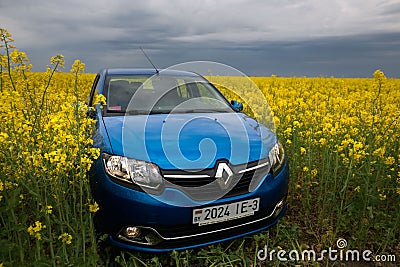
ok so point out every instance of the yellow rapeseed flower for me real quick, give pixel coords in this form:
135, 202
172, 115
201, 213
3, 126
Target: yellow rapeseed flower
99, 99
389, 160
57, 60
49, 209
34, 230
296, 124
94, 207
288, 131
3, 137
65, 238
379, 152
8, 185
322, 141
314, 173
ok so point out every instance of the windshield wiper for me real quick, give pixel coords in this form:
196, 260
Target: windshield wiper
159, 112
137, 112
200, 110
128, 112
176, 111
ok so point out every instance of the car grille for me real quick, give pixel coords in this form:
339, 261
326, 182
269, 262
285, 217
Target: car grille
205, 188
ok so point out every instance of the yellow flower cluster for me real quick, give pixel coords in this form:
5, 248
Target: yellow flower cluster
49, 209
45, 129
34, 230
93, 208
65, 238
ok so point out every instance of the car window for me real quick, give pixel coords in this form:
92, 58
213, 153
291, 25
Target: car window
163, 94
120, 90
182, 89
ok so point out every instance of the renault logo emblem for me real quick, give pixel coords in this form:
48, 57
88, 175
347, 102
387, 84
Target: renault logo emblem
224, 175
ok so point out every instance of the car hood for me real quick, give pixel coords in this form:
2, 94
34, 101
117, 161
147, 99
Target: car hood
189, 141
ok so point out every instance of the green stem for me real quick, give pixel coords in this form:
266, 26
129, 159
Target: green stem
8, 61
21, 251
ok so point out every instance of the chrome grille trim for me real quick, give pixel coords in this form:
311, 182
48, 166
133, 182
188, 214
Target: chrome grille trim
255, 167
186, 176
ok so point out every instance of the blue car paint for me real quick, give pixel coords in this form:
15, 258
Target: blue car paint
144, 137
140, 137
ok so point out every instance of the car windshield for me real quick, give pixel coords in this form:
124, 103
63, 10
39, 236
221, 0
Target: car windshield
138, 94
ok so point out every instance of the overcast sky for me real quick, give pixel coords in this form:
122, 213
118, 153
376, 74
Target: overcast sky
341, 38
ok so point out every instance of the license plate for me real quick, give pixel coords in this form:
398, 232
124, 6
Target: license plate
226, 212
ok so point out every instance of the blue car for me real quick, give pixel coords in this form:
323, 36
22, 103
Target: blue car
180, 165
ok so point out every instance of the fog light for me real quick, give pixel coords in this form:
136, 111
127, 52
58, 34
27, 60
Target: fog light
132, 232
140, 235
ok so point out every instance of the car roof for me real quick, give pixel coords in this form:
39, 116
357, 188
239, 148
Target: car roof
142, 71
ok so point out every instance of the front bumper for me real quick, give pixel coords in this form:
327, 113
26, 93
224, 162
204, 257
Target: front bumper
170, 226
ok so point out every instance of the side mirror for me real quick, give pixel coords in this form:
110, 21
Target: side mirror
237, 105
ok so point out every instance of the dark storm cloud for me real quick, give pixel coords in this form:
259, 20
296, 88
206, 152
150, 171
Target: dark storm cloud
356, 56
313, 37
353, 56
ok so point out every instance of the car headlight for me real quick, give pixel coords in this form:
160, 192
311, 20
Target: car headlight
276, 158
139, 172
